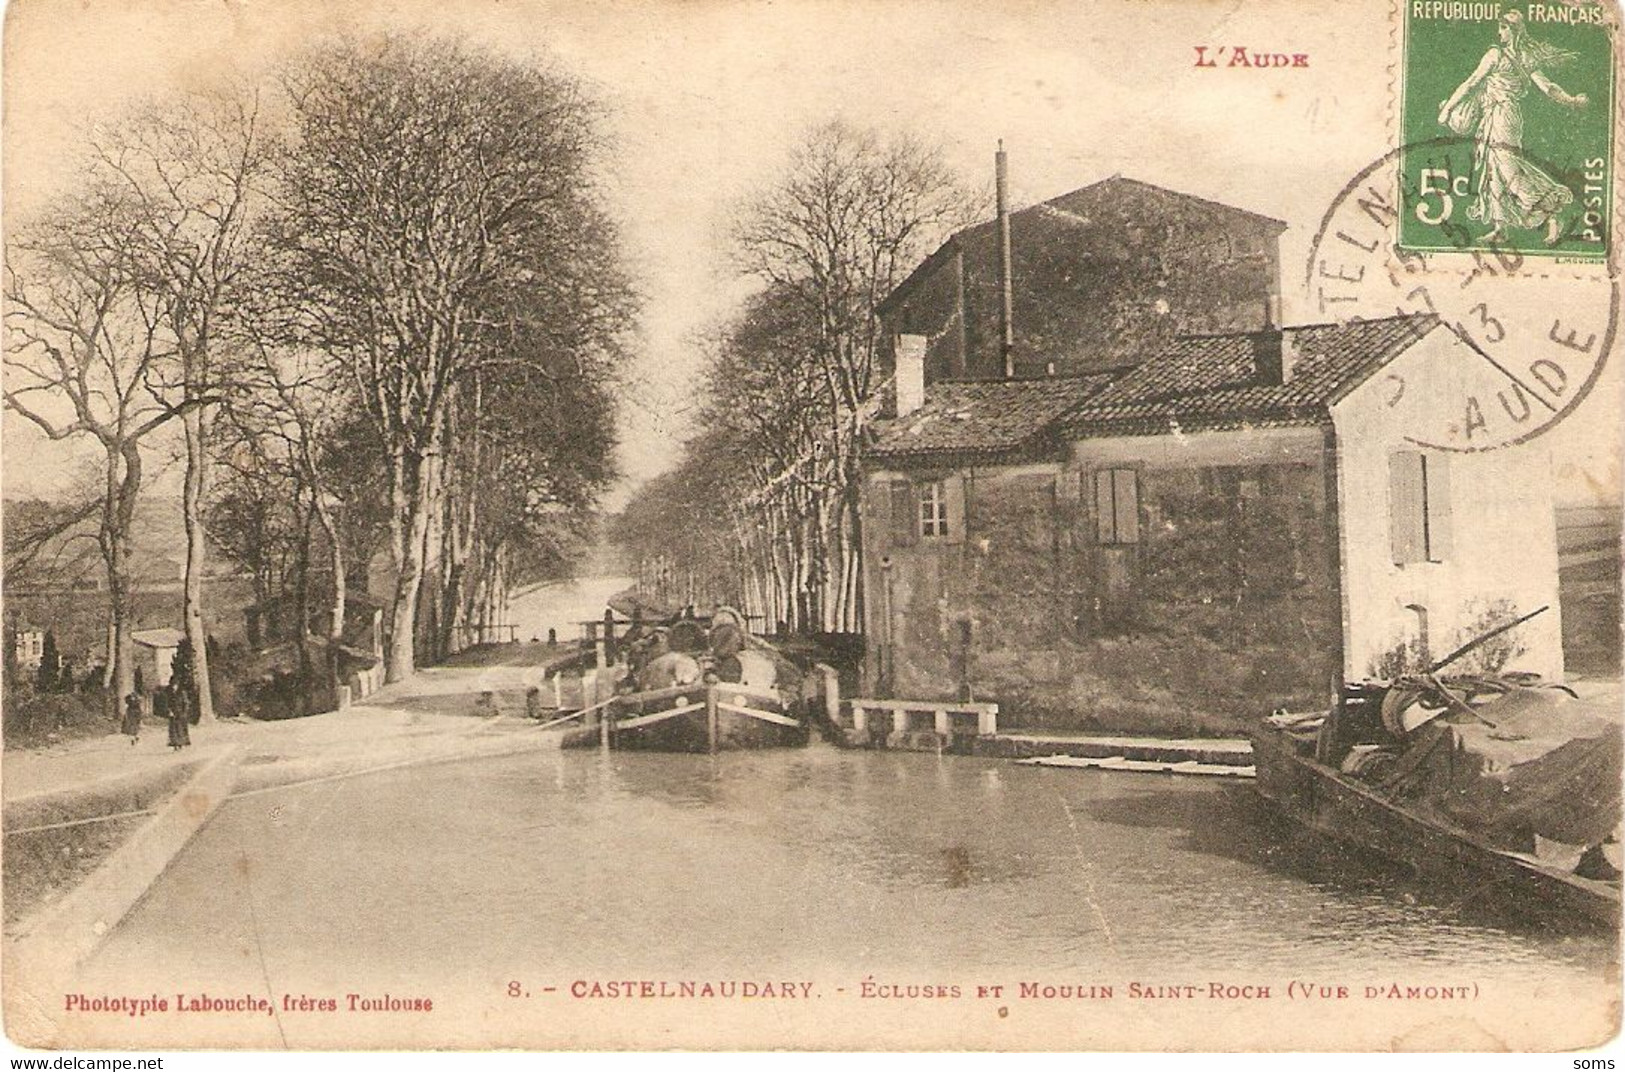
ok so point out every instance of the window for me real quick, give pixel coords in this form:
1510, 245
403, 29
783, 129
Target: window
930, 508
933, 509
1419, 528
1117, 506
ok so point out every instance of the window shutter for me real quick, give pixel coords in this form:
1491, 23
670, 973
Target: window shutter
1436, 484
1405, 506
1126, 502
953, 492
1105, 530
905, 518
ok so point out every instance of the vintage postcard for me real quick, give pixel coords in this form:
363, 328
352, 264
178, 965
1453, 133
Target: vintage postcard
816, 525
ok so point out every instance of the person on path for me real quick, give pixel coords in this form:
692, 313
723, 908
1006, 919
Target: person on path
180, 703
131, 726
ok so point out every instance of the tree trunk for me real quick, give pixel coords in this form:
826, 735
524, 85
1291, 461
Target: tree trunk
401, 661
118, 578
192, 507
335, 619
854, 515
118, 512
301, 634
409, 526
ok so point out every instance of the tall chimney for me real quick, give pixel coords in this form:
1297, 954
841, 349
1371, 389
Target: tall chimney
1274, 353
1007, 331
910, 350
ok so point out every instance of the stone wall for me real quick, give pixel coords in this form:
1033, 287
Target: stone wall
1225, 608
1500, 559
1096, 285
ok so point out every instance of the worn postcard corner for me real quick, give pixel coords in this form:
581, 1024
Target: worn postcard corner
547, 526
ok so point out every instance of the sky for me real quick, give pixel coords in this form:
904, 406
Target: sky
706, 98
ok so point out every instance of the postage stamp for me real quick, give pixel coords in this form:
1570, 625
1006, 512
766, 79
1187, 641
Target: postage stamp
1535, 344
1507, 110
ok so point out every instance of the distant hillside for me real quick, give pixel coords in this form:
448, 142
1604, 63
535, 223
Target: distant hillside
1589, 562
72, 560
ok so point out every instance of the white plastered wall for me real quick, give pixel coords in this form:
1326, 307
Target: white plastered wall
1503, 541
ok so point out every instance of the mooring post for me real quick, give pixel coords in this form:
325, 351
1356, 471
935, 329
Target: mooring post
832, 693
711, 716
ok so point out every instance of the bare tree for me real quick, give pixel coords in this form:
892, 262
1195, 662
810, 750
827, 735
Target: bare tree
771, 405
832, 237
283, 415
430, 192
187, 172
84, 347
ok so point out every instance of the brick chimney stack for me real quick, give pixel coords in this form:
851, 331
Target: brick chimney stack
910, 351
1274, 353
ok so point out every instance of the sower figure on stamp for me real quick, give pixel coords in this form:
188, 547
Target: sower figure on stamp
1512, 191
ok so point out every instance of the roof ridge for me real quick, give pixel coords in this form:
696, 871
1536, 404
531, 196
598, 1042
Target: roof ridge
1306, 327
1120, 177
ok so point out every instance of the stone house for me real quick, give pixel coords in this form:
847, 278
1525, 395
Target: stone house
1095, 278
155, 655
1205, 527
28, 647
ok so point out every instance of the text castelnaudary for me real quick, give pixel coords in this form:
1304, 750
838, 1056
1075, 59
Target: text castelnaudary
666, 988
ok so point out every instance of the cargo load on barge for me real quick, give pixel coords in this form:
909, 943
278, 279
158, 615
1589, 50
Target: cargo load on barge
1505, 785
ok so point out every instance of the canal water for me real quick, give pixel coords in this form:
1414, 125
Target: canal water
818, 864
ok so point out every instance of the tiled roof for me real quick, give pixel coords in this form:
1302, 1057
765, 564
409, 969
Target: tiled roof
162, 637
1211, 381
988, 417
1198, 383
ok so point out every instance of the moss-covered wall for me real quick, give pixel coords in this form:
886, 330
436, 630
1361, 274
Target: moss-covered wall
1225, 608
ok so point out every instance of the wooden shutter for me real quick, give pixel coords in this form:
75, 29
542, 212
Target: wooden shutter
1126, 504
905, 517
1436, 488
953, 493
1105, 528
1406, 536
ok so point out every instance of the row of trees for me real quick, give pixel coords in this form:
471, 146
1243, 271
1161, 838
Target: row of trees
792, 382
382, 301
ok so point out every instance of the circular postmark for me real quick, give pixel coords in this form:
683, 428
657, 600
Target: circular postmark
1524, 340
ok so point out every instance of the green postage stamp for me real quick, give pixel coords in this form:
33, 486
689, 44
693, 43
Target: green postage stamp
1506, 128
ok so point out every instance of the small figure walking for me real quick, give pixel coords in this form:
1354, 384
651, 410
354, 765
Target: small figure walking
180, 703
132, 718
